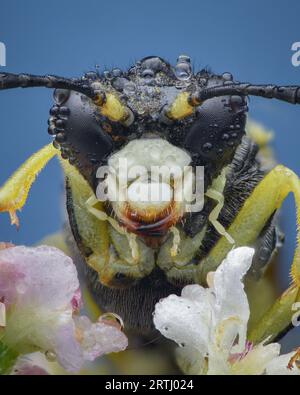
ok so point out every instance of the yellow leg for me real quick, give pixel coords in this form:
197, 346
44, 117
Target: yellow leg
278, 318
266, 198
14, 193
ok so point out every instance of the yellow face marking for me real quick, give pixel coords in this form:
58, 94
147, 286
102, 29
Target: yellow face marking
112, 108
181, 108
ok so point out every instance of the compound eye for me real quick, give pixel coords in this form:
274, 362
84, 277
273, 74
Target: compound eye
204, 142
78, 133
217, 130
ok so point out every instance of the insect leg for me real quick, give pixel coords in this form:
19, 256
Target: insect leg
14, 193
265, 199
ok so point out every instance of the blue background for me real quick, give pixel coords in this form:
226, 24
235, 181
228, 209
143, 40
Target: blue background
252, 40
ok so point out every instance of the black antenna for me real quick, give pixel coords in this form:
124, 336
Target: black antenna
290, 94
10, 81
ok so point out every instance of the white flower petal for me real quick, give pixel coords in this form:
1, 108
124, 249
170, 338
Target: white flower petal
231, 312
186, 319
212, 324
218, 363
278, 366
256, 361
190, 361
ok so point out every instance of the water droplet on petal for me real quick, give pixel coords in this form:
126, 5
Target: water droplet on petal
50, 356
112, 319
21, 288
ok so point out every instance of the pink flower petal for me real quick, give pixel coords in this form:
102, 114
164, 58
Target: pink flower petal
40, 290
99, 338
76, 301
30, 370
41, 275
